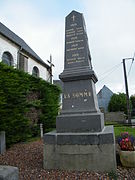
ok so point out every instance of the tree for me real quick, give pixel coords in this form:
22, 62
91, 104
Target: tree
118, 103
132, 100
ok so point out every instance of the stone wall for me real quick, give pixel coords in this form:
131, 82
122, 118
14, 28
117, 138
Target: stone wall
115, 116
33, 113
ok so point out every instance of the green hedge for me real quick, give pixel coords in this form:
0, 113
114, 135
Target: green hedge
15, 88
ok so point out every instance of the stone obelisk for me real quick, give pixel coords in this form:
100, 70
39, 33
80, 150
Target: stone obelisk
81, 141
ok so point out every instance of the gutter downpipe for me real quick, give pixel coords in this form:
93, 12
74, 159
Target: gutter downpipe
18, 56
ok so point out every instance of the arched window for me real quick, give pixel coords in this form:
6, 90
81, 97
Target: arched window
35, 71
7, 58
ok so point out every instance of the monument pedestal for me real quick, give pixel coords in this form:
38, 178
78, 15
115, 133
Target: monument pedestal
81, 142
80, 151
84, 122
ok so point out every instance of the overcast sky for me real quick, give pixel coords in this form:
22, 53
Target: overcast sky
110, 27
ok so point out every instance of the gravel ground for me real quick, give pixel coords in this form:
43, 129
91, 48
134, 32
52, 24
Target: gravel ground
28, 157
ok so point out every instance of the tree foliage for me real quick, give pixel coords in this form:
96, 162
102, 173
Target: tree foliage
15, 88
117, 103
132, 99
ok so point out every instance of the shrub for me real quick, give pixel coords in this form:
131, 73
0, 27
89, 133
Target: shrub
19, 93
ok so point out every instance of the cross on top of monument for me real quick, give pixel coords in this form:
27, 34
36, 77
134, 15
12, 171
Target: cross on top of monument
73, 17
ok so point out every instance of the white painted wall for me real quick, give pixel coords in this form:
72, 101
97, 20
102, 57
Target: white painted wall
43, 73
6, 45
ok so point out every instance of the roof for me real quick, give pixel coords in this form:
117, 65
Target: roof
58, 83
105, 90
20, 42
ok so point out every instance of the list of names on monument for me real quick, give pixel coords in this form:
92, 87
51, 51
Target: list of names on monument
74, 43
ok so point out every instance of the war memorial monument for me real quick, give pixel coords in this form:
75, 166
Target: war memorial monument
81, 141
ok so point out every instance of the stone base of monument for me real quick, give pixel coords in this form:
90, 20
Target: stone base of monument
80, 122
9, 173
80, 151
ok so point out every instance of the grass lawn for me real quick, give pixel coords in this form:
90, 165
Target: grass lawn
119, 128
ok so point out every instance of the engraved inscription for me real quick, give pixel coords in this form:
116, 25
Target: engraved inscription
73, 95
66, 96
74, 42
74, 24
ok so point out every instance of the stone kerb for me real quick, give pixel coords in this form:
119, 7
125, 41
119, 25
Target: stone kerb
9, 173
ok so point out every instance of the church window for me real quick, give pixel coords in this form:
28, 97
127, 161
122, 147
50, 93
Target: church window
35, 71
7, 58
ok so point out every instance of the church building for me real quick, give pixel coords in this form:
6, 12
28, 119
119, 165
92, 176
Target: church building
15, 52
104, 96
